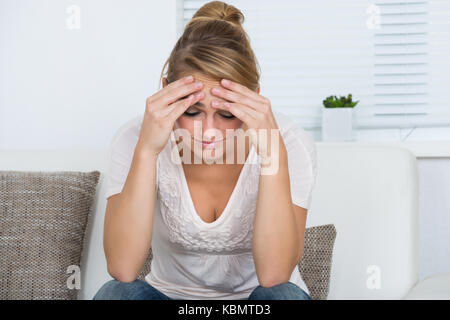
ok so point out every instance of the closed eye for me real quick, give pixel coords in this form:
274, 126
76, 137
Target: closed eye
225, 116
193, 114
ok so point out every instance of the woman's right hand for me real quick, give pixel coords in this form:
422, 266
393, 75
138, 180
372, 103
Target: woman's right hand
163, 109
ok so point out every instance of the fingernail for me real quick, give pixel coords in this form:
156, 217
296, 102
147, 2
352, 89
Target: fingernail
189, 78
226, 82
199, 95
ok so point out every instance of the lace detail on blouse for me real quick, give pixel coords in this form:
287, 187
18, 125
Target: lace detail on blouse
234, 232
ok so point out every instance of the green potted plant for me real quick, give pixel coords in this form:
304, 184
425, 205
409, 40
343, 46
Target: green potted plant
338, 118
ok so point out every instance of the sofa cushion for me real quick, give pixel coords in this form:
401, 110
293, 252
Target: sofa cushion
434, 287
43, 217
314, 266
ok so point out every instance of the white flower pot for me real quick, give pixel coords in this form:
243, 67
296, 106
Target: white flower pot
337, 124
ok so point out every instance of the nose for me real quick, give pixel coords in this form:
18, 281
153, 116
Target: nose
210, 132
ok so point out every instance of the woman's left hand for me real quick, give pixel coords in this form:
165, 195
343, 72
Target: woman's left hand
253, 109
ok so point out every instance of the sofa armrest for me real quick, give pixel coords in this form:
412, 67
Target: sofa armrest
436, 287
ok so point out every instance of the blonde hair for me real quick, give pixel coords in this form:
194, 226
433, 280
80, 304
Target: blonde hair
215, 44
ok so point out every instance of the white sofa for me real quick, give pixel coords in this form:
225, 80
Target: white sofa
369, 192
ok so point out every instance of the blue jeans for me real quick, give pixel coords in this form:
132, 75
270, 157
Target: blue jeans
141, 290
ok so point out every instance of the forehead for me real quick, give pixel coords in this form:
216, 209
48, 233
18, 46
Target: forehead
208, 84
206, 81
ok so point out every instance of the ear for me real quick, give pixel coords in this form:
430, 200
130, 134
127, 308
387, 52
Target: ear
259, 89
164, 80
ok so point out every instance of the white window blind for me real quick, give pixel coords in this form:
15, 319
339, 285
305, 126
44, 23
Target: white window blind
392, 56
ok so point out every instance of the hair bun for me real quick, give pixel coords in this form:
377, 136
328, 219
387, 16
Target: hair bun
219, 10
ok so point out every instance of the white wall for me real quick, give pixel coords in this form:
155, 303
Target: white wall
73, 88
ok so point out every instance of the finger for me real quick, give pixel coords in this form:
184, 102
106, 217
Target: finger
237, 97
239, 88
179, 93
186, 101
242, 112
254, 113
175, 110
173, 85
176, 93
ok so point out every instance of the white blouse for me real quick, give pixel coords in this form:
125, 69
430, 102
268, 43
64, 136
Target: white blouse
193, 259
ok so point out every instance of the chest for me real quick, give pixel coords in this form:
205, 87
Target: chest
209, 198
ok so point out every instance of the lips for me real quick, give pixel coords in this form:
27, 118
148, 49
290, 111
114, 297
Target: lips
208, 142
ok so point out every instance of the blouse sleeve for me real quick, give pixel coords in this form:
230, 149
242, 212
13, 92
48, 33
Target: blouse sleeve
302, 164
121, 153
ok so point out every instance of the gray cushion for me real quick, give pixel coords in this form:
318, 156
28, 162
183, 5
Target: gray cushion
43, 218
314, 266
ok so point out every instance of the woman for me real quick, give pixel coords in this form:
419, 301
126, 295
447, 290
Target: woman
218, 229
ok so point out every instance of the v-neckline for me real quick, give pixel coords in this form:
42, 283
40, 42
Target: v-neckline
225, 211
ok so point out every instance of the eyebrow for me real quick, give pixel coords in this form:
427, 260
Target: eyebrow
199, 104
